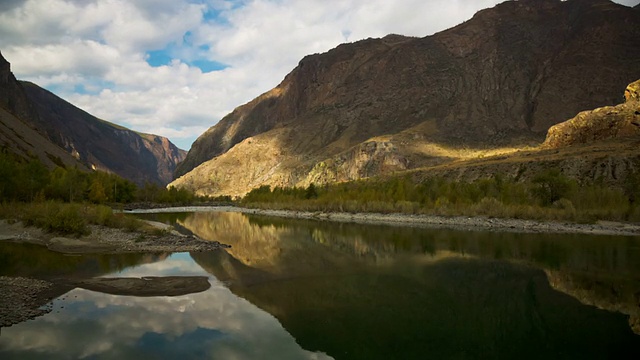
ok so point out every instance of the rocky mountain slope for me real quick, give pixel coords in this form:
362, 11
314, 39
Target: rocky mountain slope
378, 106
19, 137
103, 145
93, 142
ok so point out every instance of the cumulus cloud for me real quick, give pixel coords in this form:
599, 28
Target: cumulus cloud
97, 53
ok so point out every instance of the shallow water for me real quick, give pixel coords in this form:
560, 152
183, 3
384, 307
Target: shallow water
297, 289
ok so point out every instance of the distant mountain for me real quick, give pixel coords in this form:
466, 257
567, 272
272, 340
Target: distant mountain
384, 105
132, 155
93, 142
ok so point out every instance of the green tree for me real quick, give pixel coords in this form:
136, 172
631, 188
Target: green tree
96, 191
311, 192
551, 186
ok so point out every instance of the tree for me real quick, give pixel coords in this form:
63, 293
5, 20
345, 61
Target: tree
311, 192
96, 191
551, 186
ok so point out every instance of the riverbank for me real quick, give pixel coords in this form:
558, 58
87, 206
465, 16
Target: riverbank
431, 221
109, 240
23, 298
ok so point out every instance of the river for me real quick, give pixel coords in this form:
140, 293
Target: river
303, 289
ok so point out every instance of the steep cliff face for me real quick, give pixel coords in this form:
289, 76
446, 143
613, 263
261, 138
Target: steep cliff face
12, 96
100, 144
502, 78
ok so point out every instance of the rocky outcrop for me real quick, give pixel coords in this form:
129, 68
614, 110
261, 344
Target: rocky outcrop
12, 95
102, 145
502, 78
600, 124
365, 160
632, 92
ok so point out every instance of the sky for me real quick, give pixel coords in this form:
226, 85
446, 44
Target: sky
176, 67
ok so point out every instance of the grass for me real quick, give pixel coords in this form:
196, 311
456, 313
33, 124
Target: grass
67, 218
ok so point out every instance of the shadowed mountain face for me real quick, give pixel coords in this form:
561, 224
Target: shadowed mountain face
382, 105
37, 122
19, 137
132, 155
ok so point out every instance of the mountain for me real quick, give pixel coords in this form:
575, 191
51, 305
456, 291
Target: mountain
101, 144
379, 106
18, 136
93, 142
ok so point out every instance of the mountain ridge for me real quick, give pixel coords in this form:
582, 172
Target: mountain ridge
102, 144
500, 79
91, 142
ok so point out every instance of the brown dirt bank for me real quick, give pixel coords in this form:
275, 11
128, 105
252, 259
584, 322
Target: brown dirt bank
432, 221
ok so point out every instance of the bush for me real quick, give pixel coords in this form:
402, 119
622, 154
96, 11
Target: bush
54, 217
489, 206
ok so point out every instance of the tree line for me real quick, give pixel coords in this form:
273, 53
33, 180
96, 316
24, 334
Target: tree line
549, 195
30, 180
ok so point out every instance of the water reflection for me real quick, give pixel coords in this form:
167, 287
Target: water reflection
302, 289
38, 262
377, 291
213, 324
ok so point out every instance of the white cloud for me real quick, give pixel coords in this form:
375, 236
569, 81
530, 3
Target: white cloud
96, 44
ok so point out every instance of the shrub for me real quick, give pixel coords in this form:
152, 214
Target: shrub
489, 206
54, 217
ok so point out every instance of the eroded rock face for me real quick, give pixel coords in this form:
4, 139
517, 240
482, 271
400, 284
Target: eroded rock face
503, 77
368, 159
600, 124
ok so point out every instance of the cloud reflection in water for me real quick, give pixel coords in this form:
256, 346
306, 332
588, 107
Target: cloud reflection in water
212, 324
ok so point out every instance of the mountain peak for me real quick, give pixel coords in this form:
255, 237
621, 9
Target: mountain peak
375, 106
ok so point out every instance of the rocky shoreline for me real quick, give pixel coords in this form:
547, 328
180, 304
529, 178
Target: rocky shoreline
23, 298
478, 223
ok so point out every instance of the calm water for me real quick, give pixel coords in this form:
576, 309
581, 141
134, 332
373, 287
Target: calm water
291, 289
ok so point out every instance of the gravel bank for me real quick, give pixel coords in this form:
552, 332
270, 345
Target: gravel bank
432, 221
22, 299
108, 240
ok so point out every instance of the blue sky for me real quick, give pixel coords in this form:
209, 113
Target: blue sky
176, 67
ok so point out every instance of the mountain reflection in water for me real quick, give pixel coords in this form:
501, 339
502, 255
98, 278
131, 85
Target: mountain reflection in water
298, 289
357, 291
